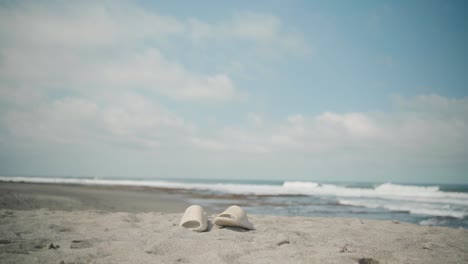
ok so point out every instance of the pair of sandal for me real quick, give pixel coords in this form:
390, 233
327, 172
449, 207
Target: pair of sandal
196, 220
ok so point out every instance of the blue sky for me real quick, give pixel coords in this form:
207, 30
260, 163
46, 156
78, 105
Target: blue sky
309, 90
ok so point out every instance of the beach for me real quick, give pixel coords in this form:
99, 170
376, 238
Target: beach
52, 223
328, 132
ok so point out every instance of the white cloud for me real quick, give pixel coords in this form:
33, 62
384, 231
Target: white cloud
66, 121
153, 72
405, 133
199, 30
89, 46
208, 144
83, 24
63, 61
124, 118
356, 124
255, 26
76, 73
47, 70
296, 119
19, 95
233, 140
93, 46
132, 114
255, 119
263, 31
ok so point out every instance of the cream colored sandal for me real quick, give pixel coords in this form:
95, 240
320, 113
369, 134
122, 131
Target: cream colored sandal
194, 219
234, 216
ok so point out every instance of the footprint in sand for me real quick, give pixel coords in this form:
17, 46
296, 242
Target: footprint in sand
60, 228
367, 261
78, 244
5, 241
34, 244
23, 246
182, 260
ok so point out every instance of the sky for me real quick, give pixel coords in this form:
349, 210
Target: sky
372, 91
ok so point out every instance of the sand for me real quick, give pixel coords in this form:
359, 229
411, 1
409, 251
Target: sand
87, 235
25, 196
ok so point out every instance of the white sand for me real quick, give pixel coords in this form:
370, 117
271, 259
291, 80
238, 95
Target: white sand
113, 237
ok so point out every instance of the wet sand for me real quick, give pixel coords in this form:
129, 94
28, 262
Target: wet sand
27, 196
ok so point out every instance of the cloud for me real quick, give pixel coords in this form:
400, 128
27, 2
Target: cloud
153, 72
93, 73
432, 104
265, 32
208, 144
74, 72
416, 130
83, 24
90, 46
86, 48
255, 26
355, 124
66, 121
147, 70
255, 119
126, 118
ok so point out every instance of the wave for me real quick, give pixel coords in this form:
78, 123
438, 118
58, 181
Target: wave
425, 200
386, 190
433, 222
412, 208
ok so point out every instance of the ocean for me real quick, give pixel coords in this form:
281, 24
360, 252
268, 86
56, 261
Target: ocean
423, 204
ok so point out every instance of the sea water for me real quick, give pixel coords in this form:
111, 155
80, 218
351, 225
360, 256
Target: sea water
424, 204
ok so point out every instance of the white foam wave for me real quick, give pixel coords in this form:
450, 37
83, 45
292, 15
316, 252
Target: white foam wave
412, 208
390, 191
432, 221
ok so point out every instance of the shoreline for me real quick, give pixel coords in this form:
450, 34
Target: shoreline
17, 195
62, 223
